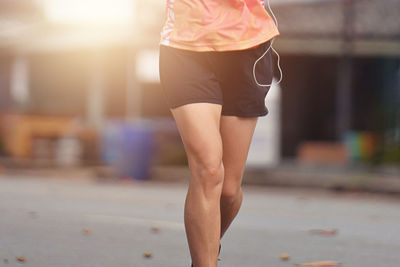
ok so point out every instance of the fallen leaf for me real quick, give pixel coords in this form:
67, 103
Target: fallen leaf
324, 231
147, 254
319, 263
87, 231
155, 229
20, 258
285, 256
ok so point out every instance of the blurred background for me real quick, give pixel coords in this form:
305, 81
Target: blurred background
78, 77
80, 95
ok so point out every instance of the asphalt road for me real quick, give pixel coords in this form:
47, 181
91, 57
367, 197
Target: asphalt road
83, 223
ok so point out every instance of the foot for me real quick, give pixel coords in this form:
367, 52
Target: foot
219, 250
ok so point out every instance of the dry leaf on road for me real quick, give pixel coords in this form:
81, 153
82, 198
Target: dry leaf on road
147, 254
323, 231
285, 256
20, 258
86, 231
155, 229
319, 263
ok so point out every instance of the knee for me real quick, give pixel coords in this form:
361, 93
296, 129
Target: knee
231, 192
211, 169
208, 173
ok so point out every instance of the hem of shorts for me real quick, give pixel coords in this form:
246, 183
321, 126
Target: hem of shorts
196, 100
222, 47
232, 113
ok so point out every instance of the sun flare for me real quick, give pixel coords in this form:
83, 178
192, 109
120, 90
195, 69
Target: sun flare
89, 11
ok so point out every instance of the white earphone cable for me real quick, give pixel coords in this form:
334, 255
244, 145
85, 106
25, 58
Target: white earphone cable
270, 46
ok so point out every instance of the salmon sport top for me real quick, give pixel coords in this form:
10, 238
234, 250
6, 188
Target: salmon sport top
216, 25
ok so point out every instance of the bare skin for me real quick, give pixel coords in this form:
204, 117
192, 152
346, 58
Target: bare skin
236, 133
217, 148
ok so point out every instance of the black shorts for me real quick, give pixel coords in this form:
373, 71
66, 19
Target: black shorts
221, 77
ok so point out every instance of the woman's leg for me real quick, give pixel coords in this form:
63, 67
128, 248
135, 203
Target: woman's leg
236, 133
198, 124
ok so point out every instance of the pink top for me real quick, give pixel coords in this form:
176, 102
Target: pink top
216, 25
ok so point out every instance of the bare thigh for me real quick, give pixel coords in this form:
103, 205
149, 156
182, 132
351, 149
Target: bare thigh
236, 134
198, 125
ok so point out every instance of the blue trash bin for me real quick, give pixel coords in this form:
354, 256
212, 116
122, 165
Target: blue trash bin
129, 147
136, 152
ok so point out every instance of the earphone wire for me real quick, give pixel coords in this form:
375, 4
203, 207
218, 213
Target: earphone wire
270, 46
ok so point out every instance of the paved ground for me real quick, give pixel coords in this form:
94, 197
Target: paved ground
43, 220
